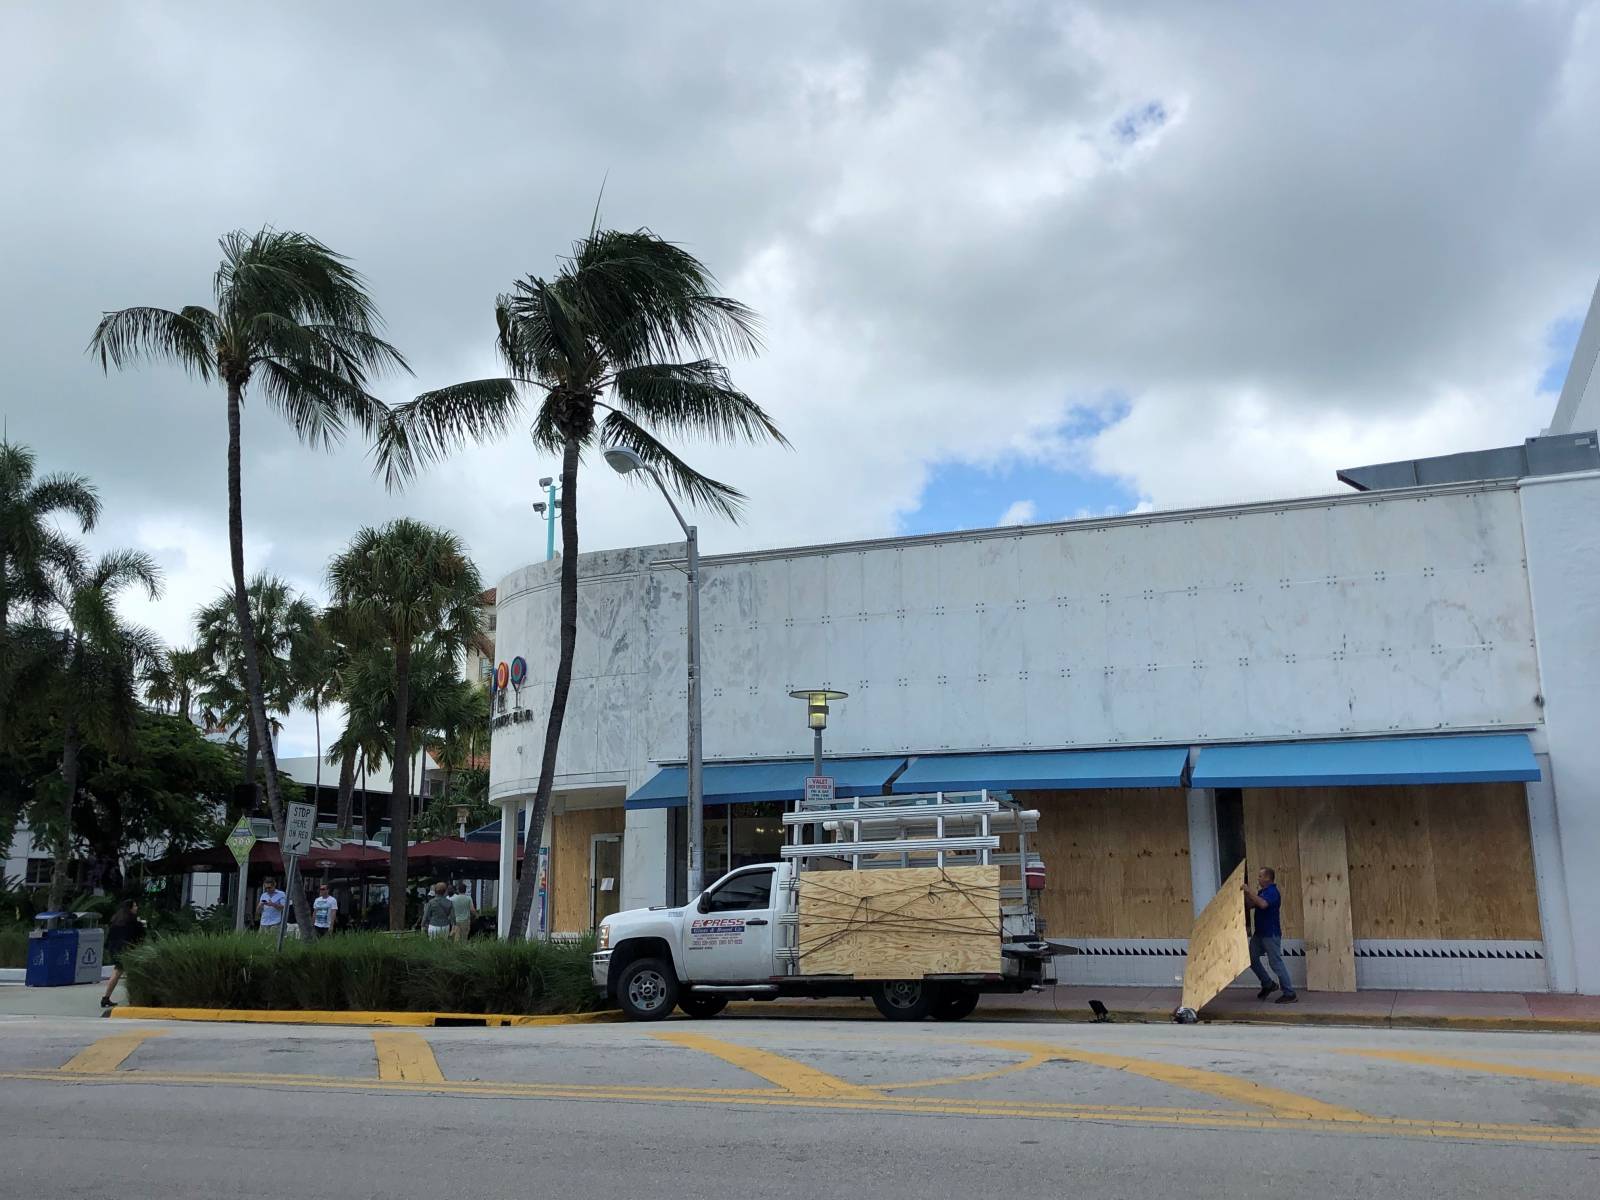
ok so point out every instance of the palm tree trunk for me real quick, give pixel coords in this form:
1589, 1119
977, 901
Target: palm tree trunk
241, 606
69, 791
558, 694
400, 799
347, 792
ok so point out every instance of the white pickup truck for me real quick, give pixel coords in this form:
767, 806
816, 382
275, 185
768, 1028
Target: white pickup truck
737, 940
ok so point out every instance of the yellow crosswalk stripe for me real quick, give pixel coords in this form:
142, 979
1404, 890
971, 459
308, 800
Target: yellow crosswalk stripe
109, 1053
794, 1077
1211, 1083
407, 1058
1451, 1063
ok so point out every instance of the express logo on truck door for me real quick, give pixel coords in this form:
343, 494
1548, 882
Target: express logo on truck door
715, 931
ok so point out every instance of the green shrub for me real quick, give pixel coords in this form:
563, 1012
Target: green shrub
375, 972
13, 946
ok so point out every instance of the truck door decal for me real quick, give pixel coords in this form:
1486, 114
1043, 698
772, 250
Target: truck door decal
716, 931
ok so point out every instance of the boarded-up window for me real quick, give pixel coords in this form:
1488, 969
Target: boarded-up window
1437, 862
570, 833
1117, 862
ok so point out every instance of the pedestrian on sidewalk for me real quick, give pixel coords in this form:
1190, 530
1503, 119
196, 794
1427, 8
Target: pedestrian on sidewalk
325, 912
272, 906
1264, 903
125, 930
465, 910
438, 915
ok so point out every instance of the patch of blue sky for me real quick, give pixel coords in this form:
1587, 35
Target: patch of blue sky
1018, 489
1561, 340
1140, 122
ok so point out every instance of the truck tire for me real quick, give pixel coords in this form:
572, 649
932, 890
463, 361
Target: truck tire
903, 999
647, 989
701, 1007
953, 1002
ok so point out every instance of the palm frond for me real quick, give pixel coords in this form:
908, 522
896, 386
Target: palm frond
696, 397
543, 334
700, 490
118, 569
436, 423
61, 492
131, 334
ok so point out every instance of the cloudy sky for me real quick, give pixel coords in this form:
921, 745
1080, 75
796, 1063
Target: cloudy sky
1017, 261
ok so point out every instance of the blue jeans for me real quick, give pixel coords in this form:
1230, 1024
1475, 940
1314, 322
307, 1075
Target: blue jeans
1272, 949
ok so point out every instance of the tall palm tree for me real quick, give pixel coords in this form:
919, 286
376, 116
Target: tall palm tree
618, 346
314, 669
280, 621
30, 545
99, 664
410, 588
293, 317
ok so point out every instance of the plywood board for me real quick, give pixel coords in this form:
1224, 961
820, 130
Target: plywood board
900, 923
1325, 899
1272, 839
1219, 946
1117, 862
569, 864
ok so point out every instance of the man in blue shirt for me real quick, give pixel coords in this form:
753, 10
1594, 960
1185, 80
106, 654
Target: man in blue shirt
1266, 939
271, 907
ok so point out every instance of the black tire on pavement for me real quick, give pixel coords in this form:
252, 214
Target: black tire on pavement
647, 989
701, 1007
954, 1002
902, 999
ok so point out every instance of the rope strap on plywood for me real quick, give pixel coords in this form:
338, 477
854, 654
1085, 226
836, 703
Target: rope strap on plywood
859, 915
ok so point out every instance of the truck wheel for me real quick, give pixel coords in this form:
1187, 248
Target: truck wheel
701, 1007
902, 999
954, 1002
647, 989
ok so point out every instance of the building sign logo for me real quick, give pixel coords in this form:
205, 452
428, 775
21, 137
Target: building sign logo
509, 677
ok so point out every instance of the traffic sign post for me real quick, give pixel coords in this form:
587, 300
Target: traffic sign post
298, 825
240, 842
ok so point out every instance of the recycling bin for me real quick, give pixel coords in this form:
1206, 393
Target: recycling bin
91, 953
52, 951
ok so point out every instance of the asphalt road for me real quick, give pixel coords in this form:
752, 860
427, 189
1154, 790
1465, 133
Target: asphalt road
754, 1108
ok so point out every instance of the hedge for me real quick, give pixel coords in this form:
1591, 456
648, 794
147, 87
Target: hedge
361, 972
13, 946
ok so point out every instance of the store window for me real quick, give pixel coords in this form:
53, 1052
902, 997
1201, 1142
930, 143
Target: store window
736, 835
39, 872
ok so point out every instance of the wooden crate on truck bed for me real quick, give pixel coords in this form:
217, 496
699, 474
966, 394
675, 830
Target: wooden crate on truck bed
900, 923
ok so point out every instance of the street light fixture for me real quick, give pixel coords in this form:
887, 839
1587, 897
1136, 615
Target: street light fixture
817, 718
624, 462
547, 510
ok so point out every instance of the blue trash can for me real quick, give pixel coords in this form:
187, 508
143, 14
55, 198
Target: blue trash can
52, 951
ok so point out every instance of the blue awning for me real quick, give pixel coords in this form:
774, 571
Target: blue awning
491, 831
1046, 770
747, 783
1470, 758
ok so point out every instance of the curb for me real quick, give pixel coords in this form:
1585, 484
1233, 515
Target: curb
298, 1017
838, 1012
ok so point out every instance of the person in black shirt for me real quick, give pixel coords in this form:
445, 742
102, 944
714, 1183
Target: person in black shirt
125, 930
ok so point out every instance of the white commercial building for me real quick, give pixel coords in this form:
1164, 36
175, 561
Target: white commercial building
1173, 691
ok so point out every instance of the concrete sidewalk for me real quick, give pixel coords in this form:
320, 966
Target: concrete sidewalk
1488, 1010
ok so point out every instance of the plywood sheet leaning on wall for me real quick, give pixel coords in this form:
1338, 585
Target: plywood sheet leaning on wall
900, 923
1325, 900
1219, 946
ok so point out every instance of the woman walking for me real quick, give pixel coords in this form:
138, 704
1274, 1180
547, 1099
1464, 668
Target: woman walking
125, 930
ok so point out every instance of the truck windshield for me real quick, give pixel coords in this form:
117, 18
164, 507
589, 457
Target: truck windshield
753, 890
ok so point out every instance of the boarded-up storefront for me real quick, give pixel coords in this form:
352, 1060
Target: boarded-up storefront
572, 889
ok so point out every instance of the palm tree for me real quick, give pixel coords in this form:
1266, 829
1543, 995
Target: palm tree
410, 588
294, 317
314, 669
280, 620
628, 317
99, 662
30, 546
176, 681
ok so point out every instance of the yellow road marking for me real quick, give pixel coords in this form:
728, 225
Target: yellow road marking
109, 1053
794, 1077
935, 1106
1212, 1083
406, 1057
1027, 1064
1473, 1064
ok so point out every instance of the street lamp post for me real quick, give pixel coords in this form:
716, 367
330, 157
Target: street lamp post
624, 461
547, 509
817, 718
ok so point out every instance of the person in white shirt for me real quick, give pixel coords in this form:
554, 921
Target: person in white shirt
325, 910
272, 906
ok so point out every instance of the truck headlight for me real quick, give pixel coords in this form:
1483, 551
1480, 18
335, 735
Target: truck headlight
605, 936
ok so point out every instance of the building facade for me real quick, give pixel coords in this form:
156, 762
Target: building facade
1173, 691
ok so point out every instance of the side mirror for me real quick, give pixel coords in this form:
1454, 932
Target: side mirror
700, 905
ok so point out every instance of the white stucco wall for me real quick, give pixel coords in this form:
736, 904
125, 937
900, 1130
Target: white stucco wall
1357, 614
1561, 516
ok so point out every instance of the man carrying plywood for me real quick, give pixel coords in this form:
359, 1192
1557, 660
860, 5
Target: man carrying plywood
1266, 937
